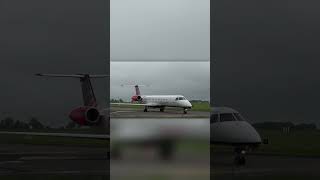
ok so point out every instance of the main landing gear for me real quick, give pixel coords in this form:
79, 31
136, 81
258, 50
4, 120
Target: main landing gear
145, 109
240, 158
162, 109
185, 111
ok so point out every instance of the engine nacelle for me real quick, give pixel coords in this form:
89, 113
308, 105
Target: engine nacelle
85, 115
136, 98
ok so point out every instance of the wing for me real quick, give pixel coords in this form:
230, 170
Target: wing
91, 136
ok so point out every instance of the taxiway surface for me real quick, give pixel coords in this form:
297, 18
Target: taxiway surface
121, 112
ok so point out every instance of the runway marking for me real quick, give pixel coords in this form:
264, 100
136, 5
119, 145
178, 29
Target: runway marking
6, 162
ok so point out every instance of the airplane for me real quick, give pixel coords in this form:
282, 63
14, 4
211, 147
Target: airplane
158, 101
229, 127
89, 114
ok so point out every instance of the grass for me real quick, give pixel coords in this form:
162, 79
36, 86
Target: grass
92, 130
194, 146
265, 177
296, 143
200, 106
46, 140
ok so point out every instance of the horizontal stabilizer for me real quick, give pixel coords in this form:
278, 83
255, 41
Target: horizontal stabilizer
74, 75
88, 96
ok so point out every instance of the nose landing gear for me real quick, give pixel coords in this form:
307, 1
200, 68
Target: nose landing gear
185, 111
240, 158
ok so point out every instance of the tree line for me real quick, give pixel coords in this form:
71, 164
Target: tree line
32, 123
10, 123
280, 125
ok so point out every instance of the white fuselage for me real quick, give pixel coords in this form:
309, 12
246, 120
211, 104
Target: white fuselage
227, 126
166, 100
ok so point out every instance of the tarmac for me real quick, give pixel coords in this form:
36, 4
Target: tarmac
52, 160
265, 166
125, 112
46, 160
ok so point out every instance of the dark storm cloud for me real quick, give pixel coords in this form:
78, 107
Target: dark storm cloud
266, 53
55, 37
267, 59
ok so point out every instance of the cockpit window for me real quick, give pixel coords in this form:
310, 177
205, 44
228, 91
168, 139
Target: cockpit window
239, 117
227, 117
180, 98
177, 99
214, 118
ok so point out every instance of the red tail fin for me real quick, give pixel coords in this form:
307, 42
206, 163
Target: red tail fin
137, 90
89, 99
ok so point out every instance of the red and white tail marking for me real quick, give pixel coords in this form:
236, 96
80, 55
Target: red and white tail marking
137, 90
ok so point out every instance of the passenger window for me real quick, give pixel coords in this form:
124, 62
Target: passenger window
227, 117
176, 99
214, 118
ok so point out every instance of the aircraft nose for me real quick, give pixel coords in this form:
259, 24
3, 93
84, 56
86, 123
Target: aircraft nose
189, 104
234, 132
252, 134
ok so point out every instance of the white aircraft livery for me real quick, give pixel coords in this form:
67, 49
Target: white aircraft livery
227, 126
158, 101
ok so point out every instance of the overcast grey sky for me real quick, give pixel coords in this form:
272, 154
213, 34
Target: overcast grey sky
191, 79
166, 30
267, 55
160, 30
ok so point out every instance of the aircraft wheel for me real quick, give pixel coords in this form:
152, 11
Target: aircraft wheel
185, 111
145, 110
161, 109
240, 160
